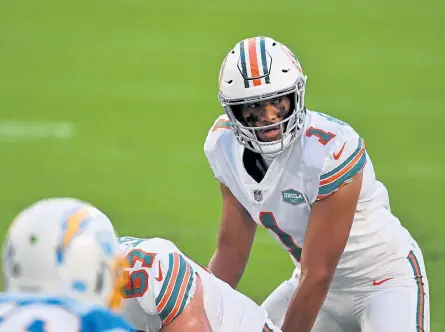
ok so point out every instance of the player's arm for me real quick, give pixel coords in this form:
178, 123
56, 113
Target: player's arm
193, 317
326, 236
235, 238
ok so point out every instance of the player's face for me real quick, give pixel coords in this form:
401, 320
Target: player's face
265, 113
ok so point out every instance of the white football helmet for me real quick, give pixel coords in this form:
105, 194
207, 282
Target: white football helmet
63, 246
256, 69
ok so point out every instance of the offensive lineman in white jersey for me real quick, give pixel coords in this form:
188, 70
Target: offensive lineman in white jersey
168, 291
62, 270
306, 178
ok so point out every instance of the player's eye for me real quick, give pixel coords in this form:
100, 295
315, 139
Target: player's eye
253, 105
276, 101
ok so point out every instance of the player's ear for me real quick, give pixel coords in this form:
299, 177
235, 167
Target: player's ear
193, 318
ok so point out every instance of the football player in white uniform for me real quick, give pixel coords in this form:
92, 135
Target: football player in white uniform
306, 177
62, 270
168, 291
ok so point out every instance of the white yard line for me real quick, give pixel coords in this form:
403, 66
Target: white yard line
16, 130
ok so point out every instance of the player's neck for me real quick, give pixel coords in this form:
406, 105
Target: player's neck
255, 165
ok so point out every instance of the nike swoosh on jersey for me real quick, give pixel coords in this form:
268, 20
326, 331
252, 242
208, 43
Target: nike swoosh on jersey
160, 276
339, 153
378, 283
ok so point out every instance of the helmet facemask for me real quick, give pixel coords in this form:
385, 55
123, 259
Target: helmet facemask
290, 127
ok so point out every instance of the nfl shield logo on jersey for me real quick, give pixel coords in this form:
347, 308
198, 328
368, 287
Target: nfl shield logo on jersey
258, 195
293, 197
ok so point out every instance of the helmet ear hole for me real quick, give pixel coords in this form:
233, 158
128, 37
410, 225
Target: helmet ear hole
100, 276
16, 270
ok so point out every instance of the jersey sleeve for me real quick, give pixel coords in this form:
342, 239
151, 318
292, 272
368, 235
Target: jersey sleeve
346, 159
219, 129
172, 282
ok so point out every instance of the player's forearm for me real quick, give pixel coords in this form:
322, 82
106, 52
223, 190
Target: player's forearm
306, 303
191, 325
227, 266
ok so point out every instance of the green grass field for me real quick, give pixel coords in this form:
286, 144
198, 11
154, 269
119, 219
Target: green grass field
110, 101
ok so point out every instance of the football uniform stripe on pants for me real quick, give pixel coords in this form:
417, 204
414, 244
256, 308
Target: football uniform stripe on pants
420, 291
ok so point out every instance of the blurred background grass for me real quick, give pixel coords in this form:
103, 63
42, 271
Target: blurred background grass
110, 101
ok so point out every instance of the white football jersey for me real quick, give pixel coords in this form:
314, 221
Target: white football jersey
328, 154
162, 281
